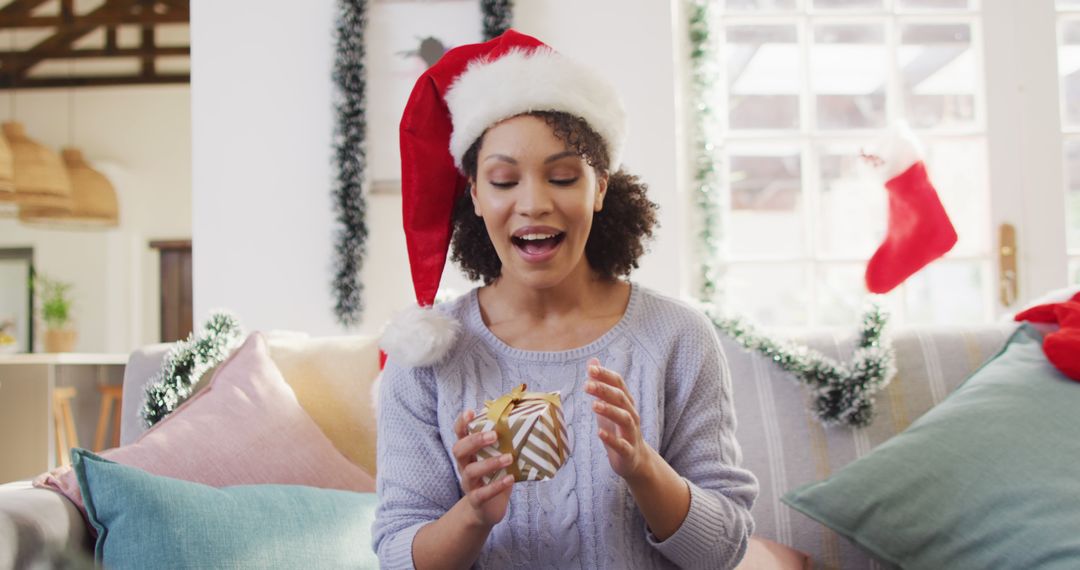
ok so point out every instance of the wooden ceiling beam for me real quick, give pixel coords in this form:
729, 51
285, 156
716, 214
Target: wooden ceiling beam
94, 81
16, 68
20, 7
146, 18
106, 52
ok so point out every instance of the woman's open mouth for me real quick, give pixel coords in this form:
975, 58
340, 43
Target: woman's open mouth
535, 247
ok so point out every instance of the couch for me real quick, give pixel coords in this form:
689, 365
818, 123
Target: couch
781, 441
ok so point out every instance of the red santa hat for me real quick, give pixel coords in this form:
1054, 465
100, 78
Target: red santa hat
471, 88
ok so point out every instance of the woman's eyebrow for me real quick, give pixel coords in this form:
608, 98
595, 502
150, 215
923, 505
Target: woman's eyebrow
560, 155
501, 157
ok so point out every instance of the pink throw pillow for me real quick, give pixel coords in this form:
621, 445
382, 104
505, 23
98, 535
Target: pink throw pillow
245, 427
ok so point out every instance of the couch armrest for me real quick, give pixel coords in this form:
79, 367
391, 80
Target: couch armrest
35, 520
142, 365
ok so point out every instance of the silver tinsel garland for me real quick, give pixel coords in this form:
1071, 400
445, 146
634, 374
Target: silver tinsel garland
186, 362
704, 70
498, 17
842, 393
350, 206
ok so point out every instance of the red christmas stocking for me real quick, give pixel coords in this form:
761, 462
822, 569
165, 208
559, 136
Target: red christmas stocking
919, 230
1062, 348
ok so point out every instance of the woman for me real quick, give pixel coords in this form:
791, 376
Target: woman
549, 223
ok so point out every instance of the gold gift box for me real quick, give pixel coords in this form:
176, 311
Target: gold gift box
530, 427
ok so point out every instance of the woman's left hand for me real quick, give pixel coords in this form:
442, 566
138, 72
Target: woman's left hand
618, 421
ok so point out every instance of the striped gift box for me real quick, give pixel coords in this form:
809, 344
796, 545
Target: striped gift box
531, 427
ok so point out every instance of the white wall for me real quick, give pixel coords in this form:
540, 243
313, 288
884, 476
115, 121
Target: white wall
262, 123
139, 137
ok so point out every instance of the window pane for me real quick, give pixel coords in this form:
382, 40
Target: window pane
958, 170
764, 77
758, 5
1072, 195
848, 4
1074, 271
852, 207
1068, 4
766, 203
1069, 72
928, 5
938, 74
947, 292
768, 295
849, 71
842, 295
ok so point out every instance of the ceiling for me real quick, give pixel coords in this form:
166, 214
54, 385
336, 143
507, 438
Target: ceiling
82, 43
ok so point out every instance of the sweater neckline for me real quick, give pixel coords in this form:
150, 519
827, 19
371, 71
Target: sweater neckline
551, 355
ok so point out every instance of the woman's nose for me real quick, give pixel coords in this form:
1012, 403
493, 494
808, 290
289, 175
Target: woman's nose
534, 198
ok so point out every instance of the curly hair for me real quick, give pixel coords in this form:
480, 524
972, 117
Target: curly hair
619, 230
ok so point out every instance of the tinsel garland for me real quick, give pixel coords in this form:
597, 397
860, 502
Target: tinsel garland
351, 159
704, 60
498, 17
842, 393
186, 362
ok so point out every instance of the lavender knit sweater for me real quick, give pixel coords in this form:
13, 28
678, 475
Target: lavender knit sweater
585, 517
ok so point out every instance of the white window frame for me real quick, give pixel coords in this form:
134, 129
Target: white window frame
1017, 114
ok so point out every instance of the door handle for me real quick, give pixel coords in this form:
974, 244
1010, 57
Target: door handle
1008, 280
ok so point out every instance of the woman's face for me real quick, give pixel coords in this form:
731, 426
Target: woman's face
537, 198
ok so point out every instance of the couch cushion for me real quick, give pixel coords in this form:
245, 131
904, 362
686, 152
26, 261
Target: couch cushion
245, 427
32, 521
987, 479
332, 378
148, 521
785, 446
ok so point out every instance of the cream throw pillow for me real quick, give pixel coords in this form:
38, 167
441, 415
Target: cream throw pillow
332, 378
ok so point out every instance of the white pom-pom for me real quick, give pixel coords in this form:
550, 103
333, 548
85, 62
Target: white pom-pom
419, 336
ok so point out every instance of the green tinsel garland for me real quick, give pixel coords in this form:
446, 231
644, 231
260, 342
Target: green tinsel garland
186, 362
704, 60
842, 393
351, 159
498, 17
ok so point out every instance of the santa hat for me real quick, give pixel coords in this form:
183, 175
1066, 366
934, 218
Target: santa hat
471, 88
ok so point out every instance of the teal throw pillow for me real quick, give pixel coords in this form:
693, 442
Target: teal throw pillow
148, 521
989, 478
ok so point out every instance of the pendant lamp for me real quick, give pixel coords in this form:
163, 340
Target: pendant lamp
94, 204
8, 206
41, 181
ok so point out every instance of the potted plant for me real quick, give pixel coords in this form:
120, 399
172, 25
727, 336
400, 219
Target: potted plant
56, 312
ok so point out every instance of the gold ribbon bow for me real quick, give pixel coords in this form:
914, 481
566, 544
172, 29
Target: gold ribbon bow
498, 411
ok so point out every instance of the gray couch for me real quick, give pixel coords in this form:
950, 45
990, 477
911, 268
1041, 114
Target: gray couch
781, 442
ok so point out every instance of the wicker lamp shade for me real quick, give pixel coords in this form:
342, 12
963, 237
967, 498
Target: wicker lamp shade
41, 181
8, 207
94, 198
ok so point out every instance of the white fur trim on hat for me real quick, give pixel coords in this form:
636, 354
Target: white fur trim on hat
419, 336
521, 81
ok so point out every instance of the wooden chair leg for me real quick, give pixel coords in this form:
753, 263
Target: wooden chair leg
102, 423
64, 424
58, 435
119, 407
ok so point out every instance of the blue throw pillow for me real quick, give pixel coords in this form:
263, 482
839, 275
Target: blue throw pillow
148, 521
989, 478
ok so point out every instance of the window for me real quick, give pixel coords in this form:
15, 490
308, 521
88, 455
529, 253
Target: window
807, 84
1069, 74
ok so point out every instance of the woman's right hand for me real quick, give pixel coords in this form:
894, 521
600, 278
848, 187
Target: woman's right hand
487, 503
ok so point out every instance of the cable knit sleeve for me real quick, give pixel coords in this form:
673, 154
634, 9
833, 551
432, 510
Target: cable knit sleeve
699, 443
411, 492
